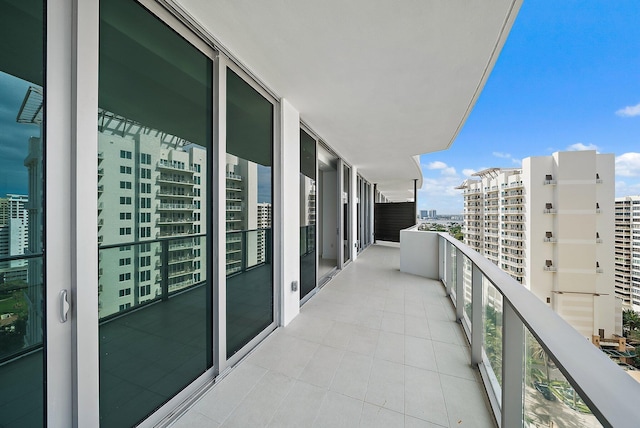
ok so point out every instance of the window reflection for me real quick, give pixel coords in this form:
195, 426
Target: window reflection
248, 213
307, 213
154, 135
21, 214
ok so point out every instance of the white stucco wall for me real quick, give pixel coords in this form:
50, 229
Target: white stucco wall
290, 246
419, 253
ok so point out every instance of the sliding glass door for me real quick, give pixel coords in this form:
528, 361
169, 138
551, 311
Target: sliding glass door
154, 162
327, 209
22, 215
346, 213
307, 214
249, 239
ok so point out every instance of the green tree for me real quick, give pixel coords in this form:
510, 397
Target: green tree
630, 321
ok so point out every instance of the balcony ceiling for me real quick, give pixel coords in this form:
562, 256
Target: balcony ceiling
380, 82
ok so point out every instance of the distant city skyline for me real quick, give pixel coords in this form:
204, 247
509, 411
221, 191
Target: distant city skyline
566, 79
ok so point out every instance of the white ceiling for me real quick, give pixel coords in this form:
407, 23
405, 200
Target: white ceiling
379, 81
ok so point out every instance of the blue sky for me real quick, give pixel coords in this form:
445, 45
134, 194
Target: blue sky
14, 137
568, 78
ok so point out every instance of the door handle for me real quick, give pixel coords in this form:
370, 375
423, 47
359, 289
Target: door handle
64, 305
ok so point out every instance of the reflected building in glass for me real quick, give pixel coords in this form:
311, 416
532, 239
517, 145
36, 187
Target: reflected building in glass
246, 218
150, 189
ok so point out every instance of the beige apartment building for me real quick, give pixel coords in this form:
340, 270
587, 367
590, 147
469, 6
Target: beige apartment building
550, 225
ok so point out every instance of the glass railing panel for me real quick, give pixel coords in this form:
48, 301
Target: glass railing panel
492, 333
453, 254
466, 283
549, 400
154, 323
307, 260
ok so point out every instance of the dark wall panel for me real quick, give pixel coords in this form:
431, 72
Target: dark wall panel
391, 218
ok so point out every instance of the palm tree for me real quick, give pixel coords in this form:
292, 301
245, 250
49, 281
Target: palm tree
630, 321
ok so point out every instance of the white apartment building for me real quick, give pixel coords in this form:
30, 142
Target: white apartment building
245, 243
549, 225
14, 225
264, 215
14, 236
627, 251
150, 215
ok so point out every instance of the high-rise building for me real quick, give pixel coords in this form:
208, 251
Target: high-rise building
549, 225
627, 251
150, 187
264, 215
14, 236
246, 218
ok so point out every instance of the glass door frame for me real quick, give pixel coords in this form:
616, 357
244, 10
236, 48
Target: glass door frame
342, 166
313, 135
224, 63
72, 50
326, 277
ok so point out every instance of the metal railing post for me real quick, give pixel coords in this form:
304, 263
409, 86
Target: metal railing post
164, 272
243, 252
512, 367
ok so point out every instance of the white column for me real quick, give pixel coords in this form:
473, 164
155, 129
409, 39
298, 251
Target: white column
354, 212
289, 218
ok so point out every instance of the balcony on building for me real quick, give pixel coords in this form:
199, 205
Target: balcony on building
548, 209
423, 333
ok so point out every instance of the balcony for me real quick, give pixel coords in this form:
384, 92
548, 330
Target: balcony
377, 346
173, 165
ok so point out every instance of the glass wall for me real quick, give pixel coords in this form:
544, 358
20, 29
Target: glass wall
307, 214
21, 214
346, 214
360, 214
248, 214
154, 158
327, 212
368, 210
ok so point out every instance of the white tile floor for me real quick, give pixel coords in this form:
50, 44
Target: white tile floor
374, 348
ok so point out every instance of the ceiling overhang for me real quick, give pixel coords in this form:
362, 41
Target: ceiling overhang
380, 82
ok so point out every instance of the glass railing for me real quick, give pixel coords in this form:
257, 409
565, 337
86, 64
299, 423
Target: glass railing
307, 239
537, 369
247, 249
135, 274
21, 316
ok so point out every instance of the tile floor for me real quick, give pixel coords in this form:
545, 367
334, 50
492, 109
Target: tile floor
374, 348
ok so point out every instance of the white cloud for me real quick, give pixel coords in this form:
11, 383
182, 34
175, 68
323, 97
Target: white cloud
502, 155
436, 165
628, 165
451, 171
629, 111
468, 172
579, 146
626, 189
